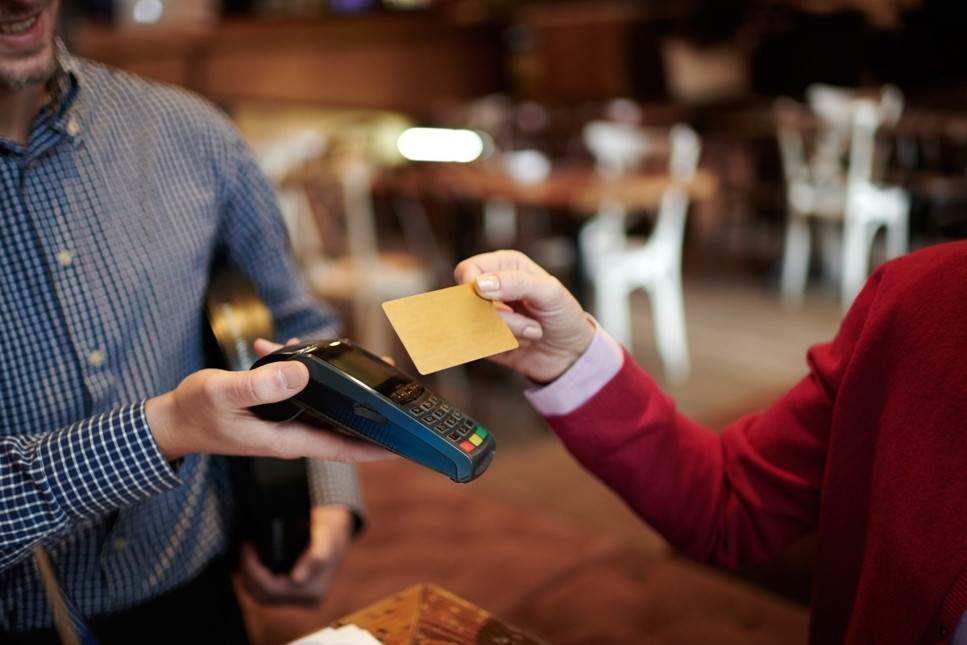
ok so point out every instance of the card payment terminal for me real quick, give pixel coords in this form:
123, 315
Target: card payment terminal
369, 398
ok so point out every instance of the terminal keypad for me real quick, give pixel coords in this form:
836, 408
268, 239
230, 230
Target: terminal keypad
450, 422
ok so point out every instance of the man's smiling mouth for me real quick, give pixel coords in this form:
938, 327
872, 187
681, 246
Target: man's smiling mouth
17, 26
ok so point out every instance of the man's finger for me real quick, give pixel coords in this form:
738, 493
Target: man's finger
263, 347
270, 383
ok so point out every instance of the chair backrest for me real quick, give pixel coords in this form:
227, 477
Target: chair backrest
279, 156
686, 148
793, 122
677, 148
866, 120
616, 146
339, 220
359, 212
619, 146
835, 104
836, 111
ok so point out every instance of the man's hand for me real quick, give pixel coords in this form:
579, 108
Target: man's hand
306, 585
208, 412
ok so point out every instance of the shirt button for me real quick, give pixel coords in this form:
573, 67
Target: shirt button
120, 544
65, 257
95, 358
73, 128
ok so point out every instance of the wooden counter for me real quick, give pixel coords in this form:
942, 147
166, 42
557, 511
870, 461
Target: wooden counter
426, 614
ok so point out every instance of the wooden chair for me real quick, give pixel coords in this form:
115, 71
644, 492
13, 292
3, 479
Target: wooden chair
337, 242
322, 162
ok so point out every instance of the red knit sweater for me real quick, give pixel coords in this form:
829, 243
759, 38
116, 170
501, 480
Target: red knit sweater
869, 450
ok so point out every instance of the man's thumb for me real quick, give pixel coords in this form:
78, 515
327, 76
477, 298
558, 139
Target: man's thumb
277, 381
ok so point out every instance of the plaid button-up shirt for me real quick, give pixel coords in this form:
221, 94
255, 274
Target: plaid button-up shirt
111, 217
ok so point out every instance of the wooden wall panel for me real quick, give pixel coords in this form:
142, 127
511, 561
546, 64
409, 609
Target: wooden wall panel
403, 62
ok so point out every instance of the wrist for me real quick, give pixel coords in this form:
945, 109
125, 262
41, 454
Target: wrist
596, 366
159, 415
571, 352
335, 518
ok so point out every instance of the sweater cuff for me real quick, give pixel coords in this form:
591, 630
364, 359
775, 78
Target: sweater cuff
591, 372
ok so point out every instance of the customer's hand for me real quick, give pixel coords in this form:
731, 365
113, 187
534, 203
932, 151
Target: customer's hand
208, 412
306, 585
549, 323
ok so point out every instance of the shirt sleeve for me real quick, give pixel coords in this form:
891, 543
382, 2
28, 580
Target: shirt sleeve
51, 482
252, 236
334, 483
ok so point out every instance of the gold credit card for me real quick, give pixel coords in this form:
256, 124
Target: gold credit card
448, 327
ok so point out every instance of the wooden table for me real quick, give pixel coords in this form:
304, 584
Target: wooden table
569, 194
428, 615
576, 189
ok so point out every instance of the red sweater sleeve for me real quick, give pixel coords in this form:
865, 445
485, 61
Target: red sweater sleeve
868, 450
729, 498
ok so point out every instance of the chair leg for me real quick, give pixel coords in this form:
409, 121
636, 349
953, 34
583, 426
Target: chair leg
671, 337
857, 248
795, 261
612, 308
898, 230
832, 251
859, 235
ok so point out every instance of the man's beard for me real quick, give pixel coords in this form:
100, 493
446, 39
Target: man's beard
20, 81
32, 68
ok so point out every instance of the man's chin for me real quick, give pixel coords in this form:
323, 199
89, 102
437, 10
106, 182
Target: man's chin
22, 77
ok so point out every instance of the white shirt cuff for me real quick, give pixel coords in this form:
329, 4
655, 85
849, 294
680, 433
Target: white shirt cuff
572, 389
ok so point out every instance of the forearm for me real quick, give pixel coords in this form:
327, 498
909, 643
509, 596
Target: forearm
728, 498
54, 480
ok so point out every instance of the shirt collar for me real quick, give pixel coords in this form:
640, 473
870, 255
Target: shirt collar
62, 110
63, 86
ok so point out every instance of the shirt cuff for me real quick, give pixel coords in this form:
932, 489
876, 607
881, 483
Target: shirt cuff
572, 389
334, 483
114, 461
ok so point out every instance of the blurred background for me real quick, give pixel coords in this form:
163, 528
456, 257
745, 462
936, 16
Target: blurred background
684, 167
533, 73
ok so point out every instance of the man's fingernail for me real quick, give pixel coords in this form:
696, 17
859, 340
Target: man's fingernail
487, 282
532, 333
292, 376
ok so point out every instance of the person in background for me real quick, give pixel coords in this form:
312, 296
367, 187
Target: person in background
867, 451
117, 194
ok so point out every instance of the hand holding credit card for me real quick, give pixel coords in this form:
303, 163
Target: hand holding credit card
448, 327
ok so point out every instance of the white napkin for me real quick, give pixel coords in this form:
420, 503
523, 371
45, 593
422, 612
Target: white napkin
345, 635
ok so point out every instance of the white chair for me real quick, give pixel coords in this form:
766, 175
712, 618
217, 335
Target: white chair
811, 198
869, 207
832, 168
617, 263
